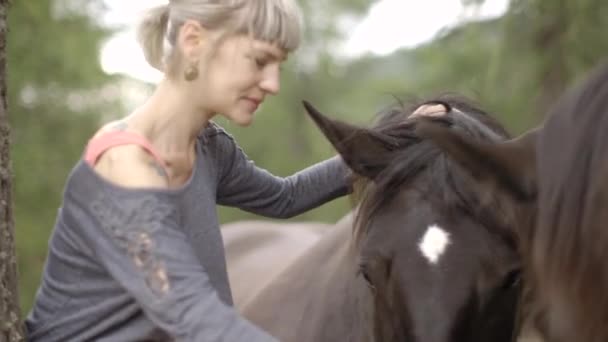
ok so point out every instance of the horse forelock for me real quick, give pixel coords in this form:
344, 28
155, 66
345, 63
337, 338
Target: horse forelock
447, 182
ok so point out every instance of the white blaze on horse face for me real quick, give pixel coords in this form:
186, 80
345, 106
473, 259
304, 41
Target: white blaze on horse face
434, 243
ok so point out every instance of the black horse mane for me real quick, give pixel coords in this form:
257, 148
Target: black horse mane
448, 185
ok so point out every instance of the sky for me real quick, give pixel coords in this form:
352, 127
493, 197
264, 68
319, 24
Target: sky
388, 26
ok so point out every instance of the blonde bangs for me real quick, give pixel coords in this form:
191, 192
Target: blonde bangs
275, 21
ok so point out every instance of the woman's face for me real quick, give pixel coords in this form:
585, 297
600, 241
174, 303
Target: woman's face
238, 76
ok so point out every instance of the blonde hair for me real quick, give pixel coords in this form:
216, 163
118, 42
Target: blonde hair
275, 21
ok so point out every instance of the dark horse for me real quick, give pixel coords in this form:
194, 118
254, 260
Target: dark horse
556, 176
426, 258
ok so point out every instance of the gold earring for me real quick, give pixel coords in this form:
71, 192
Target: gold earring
191, 72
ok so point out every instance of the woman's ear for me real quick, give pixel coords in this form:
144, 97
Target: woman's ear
191, 39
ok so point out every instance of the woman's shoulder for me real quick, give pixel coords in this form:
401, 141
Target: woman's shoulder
129, 163
131, 166
214, 130
218, 136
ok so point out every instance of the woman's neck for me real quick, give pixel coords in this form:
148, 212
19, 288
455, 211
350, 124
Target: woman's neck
169, 121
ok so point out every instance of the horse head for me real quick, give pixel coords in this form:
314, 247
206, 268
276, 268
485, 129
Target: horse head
434, 249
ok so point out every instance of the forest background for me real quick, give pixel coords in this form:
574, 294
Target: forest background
514, 65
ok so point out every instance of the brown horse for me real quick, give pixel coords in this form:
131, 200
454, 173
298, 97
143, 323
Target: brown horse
425, 258
556, 177
256, 251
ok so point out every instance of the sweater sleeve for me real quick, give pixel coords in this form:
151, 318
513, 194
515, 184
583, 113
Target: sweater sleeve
138, 241
244, 185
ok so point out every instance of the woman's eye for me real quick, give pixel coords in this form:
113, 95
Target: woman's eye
260, 62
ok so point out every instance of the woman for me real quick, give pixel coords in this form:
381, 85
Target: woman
136, 252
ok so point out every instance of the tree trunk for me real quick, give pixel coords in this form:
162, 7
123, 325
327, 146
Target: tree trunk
11, 328
550, 42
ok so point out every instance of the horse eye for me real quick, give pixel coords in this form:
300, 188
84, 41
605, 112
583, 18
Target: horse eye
366, 277
512, 279
363, 272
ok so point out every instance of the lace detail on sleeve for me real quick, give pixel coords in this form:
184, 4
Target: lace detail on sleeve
132, 224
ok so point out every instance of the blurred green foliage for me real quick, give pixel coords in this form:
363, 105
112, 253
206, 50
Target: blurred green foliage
56, 96
514, 66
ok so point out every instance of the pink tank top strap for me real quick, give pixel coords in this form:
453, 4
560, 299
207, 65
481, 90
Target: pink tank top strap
101, 143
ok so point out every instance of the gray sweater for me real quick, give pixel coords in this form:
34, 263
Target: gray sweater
148, 265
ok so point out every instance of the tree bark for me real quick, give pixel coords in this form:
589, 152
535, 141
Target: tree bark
11, 328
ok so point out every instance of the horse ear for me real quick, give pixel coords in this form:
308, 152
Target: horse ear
365, 151
511, 164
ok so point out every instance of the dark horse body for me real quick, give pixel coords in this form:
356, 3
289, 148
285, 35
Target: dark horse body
556, 176
423, 261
